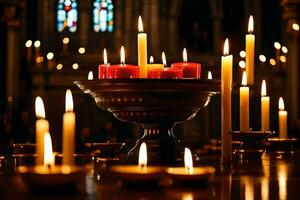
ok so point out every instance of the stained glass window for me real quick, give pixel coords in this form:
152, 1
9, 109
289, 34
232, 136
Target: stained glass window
103, 15
67, 15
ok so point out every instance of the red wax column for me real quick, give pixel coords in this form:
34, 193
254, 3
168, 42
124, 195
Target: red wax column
122, 70
103, 67
189, 70
165, 73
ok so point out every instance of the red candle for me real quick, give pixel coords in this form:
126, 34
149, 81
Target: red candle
165, 73
122, 70
189, 70
103, 67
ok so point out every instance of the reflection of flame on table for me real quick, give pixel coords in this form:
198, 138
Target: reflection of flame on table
249, 188
187, 196
282, 172
265, 179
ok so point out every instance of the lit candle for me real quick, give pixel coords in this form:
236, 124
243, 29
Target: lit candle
282, 114
153, 65
189, 69
90, 75
244, 104
65, 42
250, 50
226, 87
49, 159
41, 127
265, 108
188, 161
103, 67
122, 70
142, 49
209, 75
143, 156
68, 131
28, 45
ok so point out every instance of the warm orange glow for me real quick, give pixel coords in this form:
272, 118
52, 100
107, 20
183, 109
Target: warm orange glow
284, 49
59, 66
81, 50
281, 104
143, 155
122, 55
188, 160
140, 25
244, 79
272, 61
163, 57
50, 55
105, 57
184, 55
48, 152
263, 88
283, 58
66, 40
250, 24
226, 48
69, 101
209, 75
90, 75
277, 45
151, 60
39, 108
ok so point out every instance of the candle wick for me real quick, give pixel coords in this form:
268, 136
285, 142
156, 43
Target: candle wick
49, 167
143, 166
122, 63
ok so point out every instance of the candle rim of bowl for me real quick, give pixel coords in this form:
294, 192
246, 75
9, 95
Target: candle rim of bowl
184, 55
281, 104
251, 25
39, 108
263, 88
140, 24
164, 60
69, 101
122, 55
105, 59
244, 78
226, 47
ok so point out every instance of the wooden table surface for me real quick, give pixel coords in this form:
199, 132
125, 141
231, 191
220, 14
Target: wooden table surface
268, 178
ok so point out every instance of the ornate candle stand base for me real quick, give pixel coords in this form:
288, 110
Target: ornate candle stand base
281, 146
156, 104
252, 147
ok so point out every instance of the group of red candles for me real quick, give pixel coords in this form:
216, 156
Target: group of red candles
176, 71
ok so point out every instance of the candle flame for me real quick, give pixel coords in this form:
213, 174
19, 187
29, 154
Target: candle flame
281, 104
209, 75
105, 57
263, 88
140, 25
244, 79
251, 24
69, 101
163, 57
122, 55
151, 60
48, 152
226, 48
188, 160
184, 55
39, 108
90, 75
143, 155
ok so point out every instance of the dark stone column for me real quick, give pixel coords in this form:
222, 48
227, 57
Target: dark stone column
216, 14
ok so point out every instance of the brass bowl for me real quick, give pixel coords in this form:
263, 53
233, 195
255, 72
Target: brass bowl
156, 104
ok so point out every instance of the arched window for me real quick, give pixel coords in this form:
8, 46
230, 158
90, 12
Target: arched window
103, 15
67, 15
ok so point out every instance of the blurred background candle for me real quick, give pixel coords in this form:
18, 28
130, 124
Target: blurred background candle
102, 68
189, 69
142, 49
250, 51
41, 127
244, 104
282, 114
68, 131
265, 108
122, 70
90, 75
209, 75
65, 42
28, 46
226, 87
165, 73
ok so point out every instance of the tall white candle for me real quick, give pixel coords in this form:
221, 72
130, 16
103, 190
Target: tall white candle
250, 51
142, 49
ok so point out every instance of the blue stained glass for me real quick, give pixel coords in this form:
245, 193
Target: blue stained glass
103, 16
67, 15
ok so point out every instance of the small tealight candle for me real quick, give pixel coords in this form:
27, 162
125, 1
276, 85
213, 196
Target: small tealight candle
122, 70
189, 69
165, 73
103, 67
152, 65
282, 115
189, 173
244, 104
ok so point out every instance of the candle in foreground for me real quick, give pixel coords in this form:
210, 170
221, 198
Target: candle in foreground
142, 49
103, 67
250, 50
41, 127
68, 131
48, 151
282, 114
265, 108
226, 87
244, 104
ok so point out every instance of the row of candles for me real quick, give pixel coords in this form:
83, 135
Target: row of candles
248, 77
